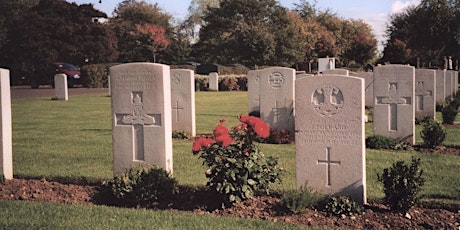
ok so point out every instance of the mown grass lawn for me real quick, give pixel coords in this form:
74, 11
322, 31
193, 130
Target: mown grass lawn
71, 140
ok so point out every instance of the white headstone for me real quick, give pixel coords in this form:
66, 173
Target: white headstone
183, 101
5, 125
277, 97
325, 64
452, 75
330, 149
60, 87
213, 81
456, 82
253, 91
449, 88
425, 91
141, 115
440, 85
368, 87
336, 71
394, 107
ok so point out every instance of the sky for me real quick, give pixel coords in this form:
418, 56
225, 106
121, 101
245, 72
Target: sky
374, 12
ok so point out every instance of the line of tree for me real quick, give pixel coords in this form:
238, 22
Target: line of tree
248, 32
424, 35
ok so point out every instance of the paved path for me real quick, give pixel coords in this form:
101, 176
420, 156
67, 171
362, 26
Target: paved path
19, 92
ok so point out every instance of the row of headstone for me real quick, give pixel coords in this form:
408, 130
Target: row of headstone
436, 88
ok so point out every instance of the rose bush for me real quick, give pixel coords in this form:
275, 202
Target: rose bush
237, 169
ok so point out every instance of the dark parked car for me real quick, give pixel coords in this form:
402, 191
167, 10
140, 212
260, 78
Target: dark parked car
45, 76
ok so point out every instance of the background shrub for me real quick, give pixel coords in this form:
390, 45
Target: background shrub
201, 83
302, 199
180, 135
141, 185
449, 112
433, 134
380, 142
228, 84
96, 75
401, 184
342, 206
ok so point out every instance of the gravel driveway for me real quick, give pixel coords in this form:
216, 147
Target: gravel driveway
19, 92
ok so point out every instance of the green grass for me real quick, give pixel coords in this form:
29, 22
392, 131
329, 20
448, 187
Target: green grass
72, 141
34, 215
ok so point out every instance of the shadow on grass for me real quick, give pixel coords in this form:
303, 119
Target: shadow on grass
83, 181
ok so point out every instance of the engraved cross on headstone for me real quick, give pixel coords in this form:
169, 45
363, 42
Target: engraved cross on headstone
138, 119
277, 111
393, 100
328, 162
176, 108
420, 93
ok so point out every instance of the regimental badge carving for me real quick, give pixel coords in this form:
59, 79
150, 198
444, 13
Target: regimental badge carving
176, 79
138, 116
327, 100
276, 80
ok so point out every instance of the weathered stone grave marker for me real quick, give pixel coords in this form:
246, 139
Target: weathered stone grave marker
183, 101
330, 150
60, 87
440, 85
213, 81
6, 160
451, 75
394, 108
325, 64
141, 115
253, 91
277, 97
425, 91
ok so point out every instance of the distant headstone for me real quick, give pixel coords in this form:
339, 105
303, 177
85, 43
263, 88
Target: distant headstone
213, 81
452, 75
60, 87
440, 85
449, 88
394, 107
330, 149
425, 91
253, 91
336, 71
325, 64
456, 82
6, 159
368, 87
277, 97
183, 101
141, 115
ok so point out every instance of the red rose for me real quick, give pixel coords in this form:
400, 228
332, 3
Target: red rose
224, 140
261, 128
220, 130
